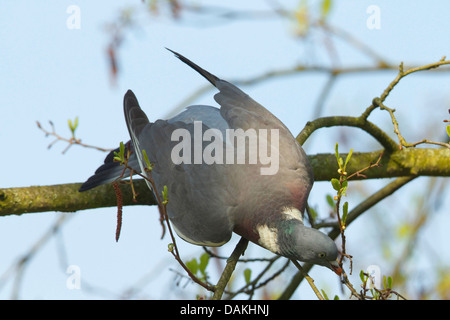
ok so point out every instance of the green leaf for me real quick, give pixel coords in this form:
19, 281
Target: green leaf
387, 282
204, 259
73, 126
147, 162
324, 294
375, 294
341, 163
348, 158
343, 188
313, 213
362, 276
335, 183
120, 156
330, 201
192, 265
164, 194
325, 8
336, 297
247, 275
344, 213
336, 152
448, 130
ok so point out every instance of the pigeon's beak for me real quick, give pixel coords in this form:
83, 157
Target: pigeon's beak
334, 265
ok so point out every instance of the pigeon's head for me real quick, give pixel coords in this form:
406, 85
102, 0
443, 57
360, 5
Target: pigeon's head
307, 244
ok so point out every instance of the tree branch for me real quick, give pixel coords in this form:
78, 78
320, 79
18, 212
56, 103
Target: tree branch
357, 122
229, 268
66, 198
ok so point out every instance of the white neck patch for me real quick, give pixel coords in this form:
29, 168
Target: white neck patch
292, 213
268, 238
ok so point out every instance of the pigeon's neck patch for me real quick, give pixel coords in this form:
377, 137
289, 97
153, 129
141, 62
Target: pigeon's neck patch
292, 213
268, 238
269, 235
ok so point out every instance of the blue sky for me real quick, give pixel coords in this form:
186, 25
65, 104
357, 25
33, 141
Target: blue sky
50, 72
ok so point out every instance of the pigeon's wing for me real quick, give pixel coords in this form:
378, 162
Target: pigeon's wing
240, 111
198, 194
111, 170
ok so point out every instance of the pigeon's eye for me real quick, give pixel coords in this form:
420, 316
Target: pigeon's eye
322, 255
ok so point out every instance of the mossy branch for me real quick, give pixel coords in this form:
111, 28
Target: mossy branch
66, 198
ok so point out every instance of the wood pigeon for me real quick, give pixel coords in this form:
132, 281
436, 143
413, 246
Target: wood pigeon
219, 175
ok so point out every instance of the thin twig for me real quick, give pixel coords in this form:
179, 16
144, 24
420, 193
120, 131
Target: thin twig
71, 141
229, 268
402, 142
309, 279
253, 285
401, 74
372, 165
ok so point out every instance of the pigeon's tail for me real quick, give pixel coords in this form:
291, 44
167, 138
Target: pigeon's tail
111, 170
208, 76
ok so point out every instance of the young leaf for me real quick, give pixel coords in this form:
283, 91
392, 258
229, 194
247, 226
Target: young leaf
324, 295
387, 282
336, 152
325, 8
343, 188
344, 213
341, 164
362, 276
120, 156
204, 259
335, 183
192, 265
164, 194
313, 214
247, 275
348, 158
73, 126
330, 201
147, 162
375, 294
448, 130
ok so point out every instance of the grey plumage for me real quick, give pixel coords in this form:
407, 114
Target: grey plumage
207, 202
